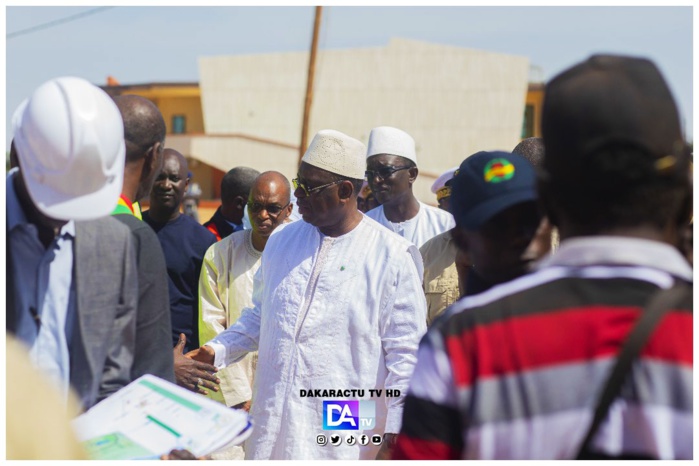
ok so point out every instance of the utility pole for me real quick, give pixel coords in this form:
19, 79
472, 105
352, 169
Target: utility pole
309, 83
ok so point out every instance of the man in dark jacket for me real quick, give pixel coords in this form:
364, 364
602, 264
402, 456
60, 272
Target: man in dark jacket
144, 134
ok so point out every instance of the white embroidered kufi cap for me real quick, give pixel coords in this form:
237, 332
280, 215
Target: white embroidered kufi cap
337, 153
391, 141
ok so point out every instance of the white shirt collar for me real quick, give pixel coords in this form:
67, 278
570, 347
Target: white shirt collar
617, 250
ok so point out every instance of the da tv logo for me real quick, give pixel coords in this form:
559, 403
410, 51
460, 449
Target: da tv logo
349, 414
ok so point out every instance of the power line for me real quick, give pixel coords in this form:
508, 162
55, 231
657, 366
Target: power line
56, 22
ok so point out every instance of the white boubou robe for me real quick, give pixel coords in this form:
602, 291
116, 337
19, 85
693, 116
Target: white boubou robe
328, 313
428, 223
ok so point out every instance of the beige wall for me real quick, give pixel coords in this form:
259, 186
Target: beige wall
453, 101
225, 152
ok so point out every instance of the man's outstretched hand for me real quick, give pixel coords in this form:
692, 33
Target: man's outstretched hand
204, 354
193, 373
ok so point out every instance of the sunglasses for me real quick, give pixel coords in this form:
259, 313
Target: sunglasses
383, 172
272, 209
308, 191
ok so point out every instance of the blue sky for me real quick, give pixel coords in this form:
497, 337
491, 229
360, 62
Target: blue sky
163, 43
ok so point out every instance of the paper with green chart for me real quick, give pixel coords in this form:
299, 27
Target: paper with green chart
150, 417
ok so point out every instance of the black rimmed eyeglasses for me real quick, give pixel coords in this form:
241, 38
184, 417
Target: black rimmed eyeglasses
383, 172
308, 191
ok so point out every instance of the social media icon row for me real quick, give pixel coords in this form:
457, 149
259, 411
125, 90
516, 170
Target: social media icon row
350, 440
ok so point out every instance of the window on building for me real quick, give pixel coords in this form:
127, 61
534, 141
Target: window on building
528, 122
179, 124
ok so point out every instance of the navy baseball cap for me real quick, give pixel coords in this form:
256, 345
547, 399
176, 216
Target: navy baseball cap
488, 183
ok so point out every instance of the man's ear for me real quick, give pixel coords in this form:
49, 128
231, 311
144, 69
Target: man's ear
345, 190
413, 172
153, 161
286, 213
150, 168
157, 155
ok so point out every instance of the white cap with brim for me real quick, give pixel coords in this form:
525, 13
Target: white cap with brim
443, 178
391, 141
69, 137
337, 153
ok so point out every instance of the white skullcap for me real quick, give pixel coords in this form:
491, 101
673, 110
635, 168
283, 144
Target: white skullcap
443, 178
337, 153
391, 141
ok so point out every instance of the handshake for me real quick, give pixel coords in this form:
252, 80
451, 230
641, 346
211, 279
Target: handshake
195, 371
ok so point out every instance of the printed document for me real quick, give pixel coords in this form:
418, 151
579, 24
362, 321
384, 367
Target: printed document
150, 417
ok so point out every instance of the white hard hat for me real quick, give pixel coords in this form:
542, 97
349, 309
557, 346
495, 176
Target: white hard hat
69, 137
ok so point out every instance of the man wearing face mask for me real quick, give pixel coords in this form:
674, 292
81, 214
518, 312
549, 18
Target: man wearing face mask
391, 172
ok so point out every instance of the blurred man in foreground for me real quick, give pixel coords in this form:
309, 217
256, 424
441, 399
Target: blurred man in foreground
516, 372
70, 299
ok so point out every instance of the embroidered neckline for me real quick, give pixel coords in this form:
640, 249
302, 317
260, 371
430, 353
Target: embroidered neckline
249, 247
